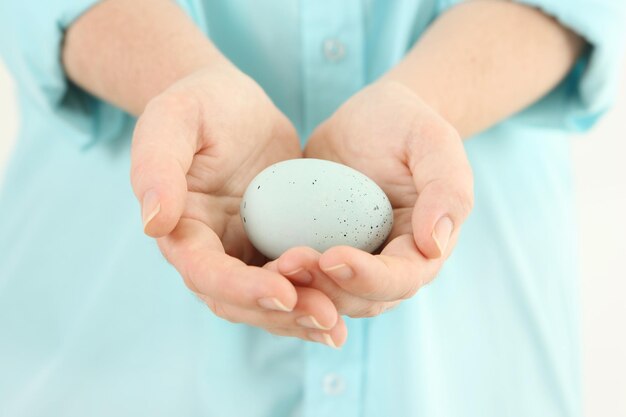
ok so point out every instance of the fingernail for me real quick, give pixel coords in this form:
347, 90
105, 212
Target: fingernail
300, 275
441, 234
341, 271
310, 322
323, 338
150, 207
272, 303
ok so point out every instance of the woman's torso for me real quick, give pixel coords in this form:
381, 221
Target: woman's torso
94, 322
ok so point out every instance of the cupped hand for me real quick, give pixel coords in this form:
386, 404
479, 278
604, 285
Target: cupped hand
418, 159
195, 149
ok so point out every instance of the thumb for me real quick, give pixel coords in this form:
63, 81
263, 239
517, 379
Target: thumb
444, 183
164, 144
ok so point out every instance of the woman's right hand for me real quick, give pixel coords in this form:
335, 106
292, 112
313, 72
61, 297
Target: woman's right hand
195, 149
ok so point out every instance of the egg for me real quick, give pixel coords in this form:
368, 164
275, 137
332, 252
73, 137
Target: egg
315, 203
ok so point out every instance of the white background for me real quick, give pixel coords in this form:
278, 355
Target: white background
600, 161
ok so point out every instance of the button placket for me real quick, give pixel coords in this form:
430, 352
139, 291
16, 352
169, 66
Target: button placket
332, 57
334, 50
332, 36
334, 384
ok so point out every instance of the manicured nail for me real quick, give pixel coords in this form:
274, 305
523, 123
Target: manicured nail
272, 303
323, 338
341, 271
310, 322
150, 207
300, 275
441, 234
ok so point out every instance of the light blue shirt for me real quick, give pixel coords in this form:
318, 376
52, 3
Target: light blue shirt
94, 322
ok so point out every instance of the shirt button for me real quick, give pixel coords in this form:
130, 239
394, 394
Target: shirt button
334, 49
334, 384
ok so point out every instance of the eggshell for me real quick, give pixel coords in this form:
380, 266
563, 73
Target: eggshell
316, 203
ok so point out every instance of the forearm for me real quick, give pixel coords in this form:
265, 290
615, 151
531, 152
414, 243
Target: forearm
128, 51
486, 59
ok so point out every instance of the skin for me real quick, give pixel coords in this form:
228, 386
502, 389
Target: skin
460, 78
206, 129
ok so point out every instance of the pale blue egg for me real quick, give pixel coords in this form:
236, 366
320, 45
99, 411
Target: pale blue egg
316, 203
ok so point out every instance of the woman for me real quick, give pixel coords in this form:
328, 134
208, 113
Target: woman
94, 321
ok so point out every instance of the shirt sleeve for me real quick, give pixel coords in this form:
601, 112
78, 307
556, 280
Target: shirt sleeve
31, 40
590, 88
37, 32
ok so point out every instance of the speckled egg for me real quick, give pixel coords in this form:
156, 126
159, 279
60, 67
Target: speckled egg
316, 203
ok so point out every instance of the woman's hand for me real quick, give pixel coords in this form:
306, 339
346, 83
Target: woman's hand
389, 134
195, 149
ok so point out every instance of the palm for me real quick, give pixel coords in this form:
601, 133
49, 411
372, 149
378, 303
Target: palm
196, 148
217, 179
375, 153
395, 179
386, 132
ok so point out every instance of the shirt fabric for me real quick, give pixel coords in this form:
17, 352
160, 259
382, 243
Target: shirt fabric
94, 322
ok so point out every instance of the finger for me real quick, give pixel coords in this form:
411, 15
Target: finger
335, 338
196, 252
313, 311
164, 144
305, 260
444, 183
299, 264
397, 273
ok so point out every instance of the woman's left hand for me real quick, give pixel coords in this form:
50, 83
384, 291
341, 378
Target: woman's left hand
386, 132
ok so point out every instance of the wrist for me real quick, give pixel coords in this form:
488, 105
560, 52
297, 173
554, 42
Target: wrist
220, 96
128, 52
186, 75
407, 87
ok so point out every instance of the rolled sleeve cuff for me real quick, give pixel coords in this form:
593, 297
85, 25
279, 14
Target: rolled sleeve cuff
590, 88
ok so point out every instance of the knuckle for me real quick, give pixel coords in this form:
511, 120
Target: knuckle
337, 299
189, 283
458, 190
186, 270
392, 306
369, 288
410, 291
464, 187
190, 267
465, 199
212, 304
276, 331
165, 250
354, 314
370, 310
221, 311
137, 171
182, 260
374, 311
